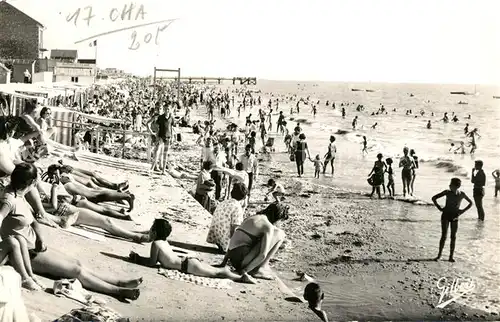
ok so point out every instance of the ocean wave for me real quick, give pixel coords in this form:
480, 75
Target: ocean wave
452, 167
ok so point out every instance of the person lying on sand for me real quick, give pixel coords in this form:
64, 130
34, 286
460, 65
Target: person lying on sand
256, 241
66, 212
162, 252
96, 195
94, 180
314, 295
450, 213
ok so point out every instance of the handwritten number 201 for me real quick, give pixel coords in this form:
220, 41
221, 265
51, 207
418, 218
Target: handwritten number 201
147, 38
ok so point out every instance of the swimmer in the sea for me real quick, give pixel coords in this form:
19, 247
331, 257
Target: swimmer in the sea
429, 125
450, 213
365, 146
354, 122
466, 128
374, 126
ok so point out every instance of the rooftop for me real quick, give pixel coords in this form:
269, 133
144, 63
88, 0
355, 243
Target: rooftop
5, 5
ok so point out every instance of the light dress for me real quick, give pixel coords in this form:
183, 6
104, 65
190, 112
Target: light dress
228, 213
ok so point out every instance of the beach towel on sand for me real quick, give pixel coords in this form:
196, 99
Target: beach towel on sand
94, 313
217, 283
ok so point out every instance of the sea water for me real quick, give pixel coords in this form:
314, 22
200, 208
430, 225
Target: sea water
478, 243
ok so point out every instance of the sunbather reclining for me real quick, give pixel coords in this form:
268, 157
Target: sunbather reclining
66, 212
74, 187
162, 252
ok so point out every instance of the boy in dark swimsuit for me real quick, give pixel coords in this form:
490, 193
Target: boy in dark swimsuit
314, 295
162, 252
450, 213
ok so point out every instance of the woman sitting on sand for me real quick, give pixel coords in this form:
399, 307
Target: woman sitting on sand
256, 241
163, 253
44, 122
227, 216
96, 195
18, 221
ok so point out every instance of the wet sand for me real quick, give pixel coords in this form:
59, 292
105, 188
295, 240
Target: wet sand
338, 235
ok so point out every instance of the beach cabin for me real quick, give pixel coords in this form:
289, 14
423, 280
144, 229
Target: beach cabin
4, 74
21, 36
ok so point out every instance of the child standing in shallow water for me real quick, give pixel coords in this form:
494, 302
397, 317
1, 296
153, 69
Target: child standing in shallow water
450, 213
390, 183
496, 176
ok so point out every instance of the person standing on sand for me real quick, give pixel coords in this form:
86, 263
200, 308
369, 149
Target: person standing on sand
251, 166
281, 119
407, 164
450, 213
330, 155
479, 180
165, 123
301, 153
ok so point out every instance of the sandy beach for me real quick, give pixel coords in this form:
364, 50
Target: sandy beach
162, 299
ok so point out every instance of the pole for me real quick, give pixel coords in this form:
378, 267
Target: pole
154, 83
179, 84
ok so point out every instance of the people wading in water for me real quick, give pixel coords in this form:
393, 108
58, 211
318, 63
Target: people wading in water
413, 171
330, 155
407, 164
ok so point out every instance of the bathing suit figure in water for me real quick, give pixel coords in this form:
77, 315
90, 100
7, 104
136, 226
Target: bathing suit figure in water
450, 213
390, 180
365, 146
496, 176
406, 174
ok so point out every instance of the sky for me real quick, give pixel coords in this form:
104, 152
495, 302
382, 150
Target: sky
429, 41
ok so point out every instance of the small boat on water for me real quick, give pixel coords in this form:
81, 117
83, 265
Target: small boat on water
475, 93
369, 90
356, 90
462, 103
497, 97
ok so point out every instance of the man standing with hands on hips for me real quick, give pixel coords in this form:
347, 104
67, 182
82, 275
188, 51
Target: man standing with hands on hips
479, 181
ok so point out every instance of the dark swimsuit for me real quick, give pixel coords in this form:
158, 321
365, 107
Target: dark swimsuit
185, 264
238, 254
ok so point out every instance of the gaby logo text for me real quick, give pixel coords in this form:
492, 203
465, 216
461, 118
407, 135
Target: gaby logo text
452, 290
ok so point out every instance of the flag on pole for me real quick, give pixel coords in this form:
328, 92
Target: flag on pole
93, 44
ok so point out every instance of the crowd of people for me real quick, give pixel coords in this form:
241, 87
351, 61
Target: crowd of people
64, 195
